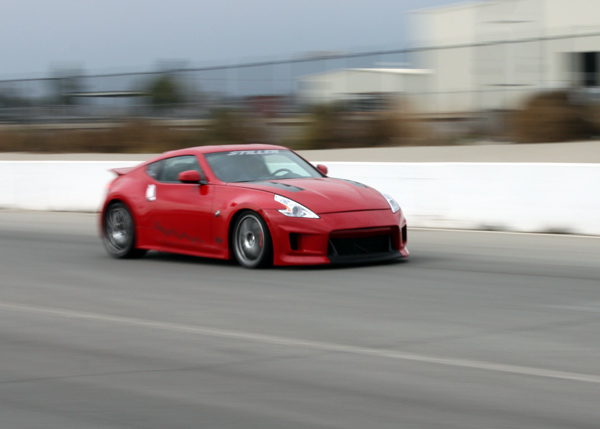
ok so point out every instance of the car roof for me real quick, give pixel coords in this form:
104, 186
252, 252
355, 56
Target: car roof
220, 148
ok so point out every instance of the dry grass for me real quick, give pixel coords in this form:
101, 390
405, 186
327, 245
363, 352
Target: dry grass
545, 117
129, 137
331, 127
134, 136
328, 128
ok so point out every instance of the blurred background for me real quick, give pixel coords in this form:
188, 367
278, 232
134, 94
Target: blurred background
473, 330
520, 71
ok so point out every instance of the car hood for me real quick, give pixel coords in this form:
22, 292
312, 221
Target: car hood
324, 195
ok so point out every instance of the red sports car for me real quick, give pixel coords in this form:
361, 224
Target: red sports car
261, 204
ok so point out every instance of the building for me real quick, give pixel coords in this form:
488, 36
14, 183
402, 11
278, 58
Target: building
492, 55
362, 88
479, 57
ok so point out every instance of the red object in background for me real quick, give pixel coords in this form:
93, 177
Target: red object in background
259, 204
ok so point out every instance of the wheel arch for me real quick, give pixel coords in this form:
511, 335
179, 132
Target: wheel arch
115, 200
117, 250
232, 222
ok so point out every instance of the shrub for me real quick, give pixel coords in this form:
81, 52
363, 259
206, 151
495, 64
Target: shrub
230, 126
331, 126
552, 117
165, 90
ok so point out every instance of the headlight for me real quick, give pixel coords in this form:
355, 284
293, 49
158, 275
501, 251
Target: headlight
392, 202
293, 209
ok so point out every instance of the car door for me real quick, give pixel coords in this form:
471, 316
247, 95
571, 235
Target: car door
180, 213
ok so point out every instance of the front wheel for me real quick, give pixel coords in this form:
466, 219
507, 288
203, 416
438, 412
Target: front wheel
251, 241
119, 232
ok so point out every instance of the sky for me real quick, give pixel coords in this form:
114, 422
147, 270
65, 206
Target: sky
105, 36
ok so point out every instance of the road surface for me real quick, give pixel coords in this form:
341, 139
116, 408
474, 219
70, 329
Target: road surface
474, 330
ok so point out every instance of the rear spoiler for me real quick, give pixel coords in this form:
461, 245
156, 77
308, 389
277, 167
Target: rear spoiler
121, 171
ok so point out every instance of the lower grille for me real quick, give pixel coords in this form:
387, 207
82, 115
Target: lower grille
360, 245
364, 245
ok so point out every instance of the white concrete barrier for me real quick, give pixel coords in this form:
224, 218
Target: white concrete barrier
55, 185
529, 197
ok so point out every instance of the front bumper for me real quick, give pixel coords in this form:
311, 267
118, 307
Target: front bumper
338, 238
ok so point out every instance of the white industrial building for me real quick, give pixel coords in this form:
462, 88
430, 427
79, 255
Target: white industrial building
482, 56
361, 85
493, 54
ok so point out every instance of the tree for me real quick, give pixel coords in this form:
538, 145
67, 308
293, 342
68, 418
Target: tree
165, 90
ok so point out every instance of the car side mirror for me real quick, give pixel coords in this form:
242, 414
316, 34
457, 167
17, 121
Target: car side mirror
190, 176
323, 169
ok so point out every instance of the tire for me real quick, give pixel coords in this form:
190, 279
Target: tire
251, 241
118, 232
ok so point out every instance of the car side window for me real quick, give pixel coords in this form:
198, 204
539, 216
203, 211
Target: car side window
153, 170
171, 167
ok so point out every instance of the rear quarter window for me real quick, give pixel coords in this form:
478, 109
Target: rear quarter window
153, 170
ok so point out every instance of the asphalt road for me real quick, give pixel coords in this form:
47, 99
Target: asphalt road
474, 330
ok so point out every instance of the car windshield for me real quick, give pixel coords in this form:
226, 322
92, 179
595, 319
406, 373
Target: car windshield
254, 165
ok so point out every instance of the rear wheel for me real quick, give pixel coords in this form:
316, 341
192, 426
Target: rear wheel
119, 232
251, 241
